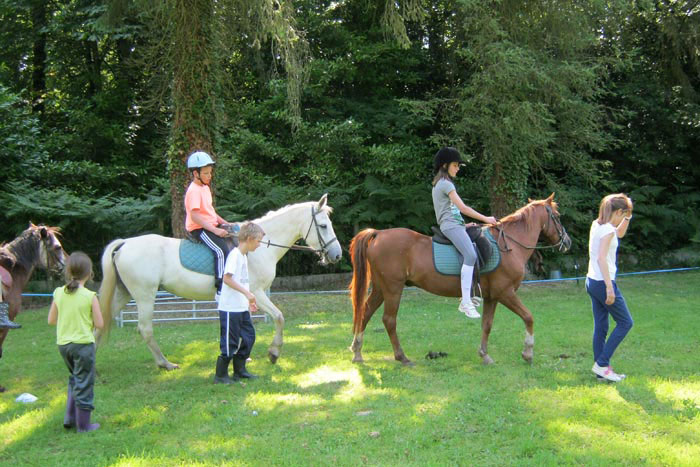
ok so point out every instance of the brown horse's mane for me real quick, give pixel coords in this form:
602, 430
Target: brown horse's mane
523, 214
22, 251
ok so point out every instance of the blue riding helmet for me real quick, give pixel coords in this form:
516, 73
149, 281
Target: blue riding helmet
199, 159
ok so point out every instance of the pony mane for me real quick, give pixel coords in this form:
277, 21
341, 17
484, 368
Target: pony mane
522, 214
270, 214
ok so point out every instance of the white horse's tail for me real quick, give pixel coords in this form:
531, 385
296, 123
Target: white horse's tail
107, 288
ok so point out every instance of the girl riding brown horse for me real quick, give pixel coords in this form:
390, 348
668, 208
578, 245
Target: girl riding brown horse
391, 258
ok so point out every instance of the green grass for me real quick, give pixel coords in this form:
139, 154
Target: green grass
316, 407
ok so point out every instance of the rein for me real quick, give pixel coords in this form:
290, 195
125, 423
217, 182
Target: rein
313, 223
504, 237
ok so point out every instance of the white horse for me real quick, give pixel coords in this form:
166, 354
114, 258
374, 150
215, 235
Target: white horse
137, 267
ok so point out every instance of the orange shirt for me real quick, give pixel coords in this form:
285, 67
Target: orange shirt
199, 197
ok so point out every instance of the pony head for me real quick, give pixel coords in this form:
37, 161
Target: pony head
321, 235
52, 256
552, 228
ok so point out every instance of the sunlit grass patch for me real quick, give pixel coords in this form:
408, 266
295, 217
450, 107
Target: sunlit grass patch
317, 407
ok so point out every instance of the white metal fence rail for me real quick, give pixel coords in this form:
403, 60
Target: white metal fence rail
177, 309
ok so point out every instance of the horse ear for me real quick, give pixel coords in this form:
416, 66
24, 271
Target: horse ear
322, 202
43, 232
529, 200
550, 198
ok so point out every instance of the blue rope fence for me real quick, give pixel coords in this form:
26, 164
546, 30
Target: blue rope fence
318, 292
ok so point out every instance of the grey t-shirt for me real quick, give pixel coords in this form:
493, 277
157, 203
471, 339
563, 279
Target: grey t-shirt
446, 213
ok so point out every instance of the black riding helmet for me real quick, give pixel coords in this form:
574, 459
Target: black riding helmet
445, 156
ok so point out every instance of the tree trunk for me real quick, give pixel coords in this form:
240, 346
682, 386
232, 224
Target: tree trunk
38, 12
193, 97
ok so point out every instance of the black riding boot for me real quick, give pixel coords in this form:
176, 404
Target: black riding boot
5, 322
222, 371
239, 368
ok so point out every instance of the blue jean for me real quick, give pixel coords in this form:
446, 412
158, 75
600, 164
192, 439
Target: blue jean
603, 349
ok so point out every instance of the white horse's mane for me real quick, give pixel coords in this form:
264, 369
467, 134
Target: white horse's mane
270, 214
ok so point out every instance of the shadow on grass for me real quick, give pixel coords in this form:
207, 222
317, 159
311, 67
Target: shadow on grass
317, 407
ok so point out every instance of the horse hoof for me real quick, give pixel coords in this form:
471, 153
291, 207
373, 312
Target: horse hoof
527, 358
171, 366
273, 358
487, 360
407, 363
358, 360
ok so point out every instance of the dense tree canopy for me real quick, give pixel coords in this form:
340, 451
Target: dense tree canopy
101, 102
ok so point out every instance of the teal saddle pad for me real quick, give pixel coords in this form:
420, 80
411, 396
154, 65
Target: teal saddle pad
196, 257
448, 260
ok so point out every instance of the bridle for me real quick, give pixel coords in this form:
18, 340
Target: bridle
48, 249
503, 237
323, 251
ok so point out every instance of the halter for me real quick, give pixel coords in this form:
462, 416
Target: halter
323, 252
561, 231
50, 257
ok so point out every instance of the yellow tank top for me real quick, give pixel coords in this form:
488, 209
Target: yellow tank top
74, 316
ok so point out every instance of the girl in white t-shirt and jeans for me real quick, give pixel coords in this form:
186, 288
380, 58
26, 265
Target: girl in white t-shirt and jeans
613, 220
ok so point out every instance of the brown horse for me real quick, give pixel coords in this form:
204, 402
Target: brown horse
394, 257
38, 246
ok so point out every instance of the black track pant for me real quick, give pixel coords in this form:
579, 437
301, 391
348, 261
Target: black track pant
220, 249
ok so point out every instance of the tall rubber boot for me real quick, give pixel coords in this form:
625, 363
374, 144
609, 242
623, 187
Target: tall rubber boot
5, 322
221, 376
83, 420
69, 418
239, 368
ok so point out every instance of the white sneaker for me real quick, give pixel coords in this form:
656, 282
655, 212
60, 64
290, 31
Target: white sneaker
607, 373
467, 307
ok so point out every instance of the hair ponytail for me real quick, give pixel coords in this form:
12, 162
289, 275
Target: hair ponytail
441, 173
78, 268
72, 286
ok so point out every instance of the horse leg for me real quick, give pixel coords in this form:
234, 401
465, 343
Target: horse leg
516, 306
486, 324
264, 302
391, 309
145, 307
374, 300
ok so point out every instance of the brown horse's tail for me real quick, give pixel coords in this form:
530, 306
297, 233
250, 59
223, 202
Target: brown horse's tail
361, 275
107, 288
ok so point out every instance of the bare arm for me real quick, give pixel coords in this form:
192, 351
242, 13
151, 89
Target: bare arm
603, 264
228, 280
53, 314
97, 319
468, 211
622, 228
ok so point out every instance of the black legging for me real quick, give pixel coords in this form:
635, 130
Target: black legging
220, 249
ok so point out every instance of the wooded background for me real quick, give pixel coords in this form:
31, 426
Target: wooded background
102, 101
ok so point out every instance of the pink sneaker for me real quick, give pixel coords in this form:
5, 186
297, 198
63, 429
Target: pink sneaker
607, 373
